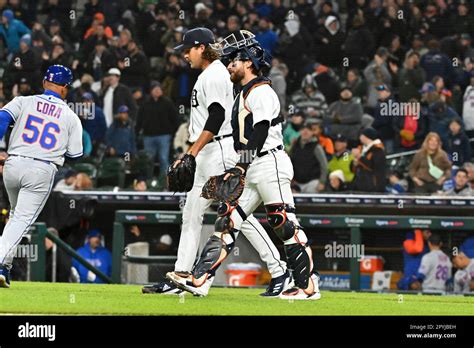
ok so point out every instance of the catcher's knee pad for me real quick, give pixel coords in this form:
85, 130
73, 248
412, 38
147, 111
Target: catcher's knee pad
282, 219
300, 262
227, 219
215, 251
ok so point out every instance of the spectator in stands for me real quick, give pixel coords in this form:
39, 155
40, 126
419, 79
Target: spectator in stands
329, 40
357, 85
410, 77
377, 74
397, 183
323, 140
435, 268
120, 137
430, 166
468, 107
181, 142
384, 117
309, 162
457, 144
25, 64
359, 44
436, 63
139, 184
462, 21
461, 185
440, 116
345, 115
98, 256
116, 94
327, 81
86, 142
157, 121
135, 67
309, 99
68, 182
12, 30
336, 182
100, 60
410, 129
83, 182
369, 163
293, 127
464, 277
266, 36
415, 247
93, 119
99, 19
277, 75
342, 159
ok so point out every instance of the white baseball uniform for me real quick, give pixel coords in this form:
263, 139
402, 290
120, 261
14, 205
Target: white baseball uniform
214, 85
437, 268
463, 278
45, 130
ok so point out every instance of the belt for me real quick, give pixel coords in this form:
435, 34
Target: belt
220, 137
36, 159
275, 149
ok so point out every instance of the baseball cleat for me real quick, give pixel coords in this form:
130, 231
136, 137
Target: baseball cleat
4, 278
185, 282
278, 285
164, 288
296, 293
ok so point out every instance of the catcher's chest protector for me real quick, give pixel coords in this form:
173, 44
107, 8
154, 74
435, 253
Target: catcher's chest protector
242, 118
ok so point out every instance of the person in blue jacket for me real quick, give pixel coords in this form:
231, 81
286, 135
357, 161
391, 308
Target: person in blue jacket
96, 255
12, 30
414, 247
121, 135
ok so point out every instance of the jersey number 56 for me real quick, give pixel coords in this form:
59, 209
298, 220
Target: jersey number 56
35, 129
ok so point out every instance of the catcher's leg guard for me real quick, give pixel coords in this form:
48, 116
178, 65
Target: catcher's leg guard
282, 219
220, 244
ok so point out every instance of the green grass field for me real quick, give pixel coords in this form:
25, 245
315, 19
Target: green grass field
70, 299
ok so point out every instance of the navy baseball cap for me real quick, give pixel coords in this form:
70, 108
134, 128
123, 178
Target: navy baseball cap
123, 108
195, 37
94, 233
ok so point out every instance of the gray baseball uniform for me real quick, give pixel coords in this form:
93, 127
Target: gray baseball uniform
45, 130
437, 268
463, 278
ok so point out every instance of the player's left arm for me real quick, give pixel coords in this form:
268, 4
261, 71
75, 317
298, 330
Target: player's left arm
74, 144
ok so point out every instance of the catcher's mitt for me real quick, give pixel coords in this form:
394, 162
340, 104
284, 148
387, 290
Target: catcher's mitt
181, 178
229, 190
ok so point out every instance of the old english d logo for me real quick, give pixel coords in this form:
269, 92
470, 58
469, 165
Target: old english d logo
243, 113
194, 100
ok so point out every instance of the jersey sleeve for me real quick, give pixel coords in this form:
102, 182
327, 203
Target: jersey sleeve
425, 265
263, 103
74, 144
215, 89
13, 108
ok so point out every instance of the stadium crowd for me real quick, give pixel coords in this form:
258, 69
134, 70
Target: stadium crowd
357, 80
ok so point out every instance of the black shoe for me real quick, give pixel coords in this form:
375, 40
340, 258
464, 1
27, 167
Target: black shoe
277, 285
164, 288
4, 278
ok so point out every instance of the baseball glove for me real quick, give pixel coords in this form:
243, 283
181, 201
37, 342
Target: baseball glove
181, 178
229, 190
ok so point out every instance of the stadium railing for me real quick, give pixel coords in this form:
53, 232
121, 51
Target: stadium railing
355, 223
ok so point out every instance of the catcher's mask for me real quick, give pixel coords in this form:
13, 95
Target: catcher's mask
242, 45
